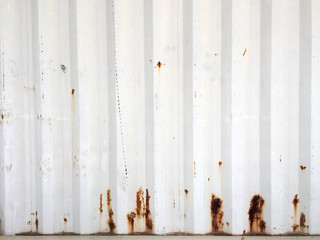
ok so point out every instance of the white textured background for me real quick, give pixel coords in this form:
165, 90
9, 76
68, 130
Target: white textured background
180, 98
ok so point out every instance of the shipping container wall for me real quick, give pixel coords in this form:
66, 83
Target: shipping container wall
160, 116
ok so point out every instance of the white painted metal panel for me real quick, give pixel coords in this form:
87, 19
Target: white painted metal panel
159, 116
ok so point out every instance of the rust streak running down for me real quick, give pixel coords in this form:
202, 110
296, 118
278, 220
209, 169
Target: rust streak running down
257, 224
149, 223
140, 202
37, 222
131, 216
101, 205
295, 203
216, 214
111, 223
302, 222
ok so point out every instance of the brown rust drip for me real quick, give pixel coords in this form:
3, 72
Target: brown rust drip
295, 203
256, 222
101, 205
37, 222
186, 192
302, 222
216, 213
131, 216
140, 202
220, 163
159, 64
110, 222
72, 91
149, 223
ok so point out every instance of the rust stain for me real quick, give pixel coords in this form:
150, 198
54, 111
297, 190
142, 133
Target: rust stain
186, 191
302, 222
150, 60
220, 163
295, 203
208, 179
159, 64
65, 220
303, 167
174, 203
37, 222
63, 68
101, 205
42, 96
227, 224
131, 216
72, 91
216, 213
10, 167
140, 202
194, 169
280, 158
216, 54
257, 224
244, 53
149, 223
195, 94
110, 221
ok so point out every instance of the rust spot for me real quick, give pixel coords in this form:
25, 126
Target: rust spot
101, 205
150, 60
42, 96
72, 91
295, 227
10, 167
302, 222
257, 224
65, 220
149, 223
110, 221
63, 68
37, 222
130, 217
159, 64
216, 213
29, 222
243, 232
2, 116
140, 202
208, 179
195, 94
186, 191
220, 163
216, 54
244, 53
227, 224
303, 167
174, 203
280, 158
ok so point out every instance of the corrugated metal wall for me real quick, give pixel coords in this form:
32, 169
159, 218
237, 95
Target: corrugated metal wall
160, 116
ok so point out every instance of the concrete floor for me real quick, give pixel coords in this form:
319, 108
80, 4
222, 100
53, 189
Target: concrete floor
159, 237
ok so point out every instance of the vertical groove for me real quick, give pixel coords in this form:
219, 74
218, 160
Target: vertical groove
188, 110
149, 99
305, 108
265, 104
226, 104
112, 102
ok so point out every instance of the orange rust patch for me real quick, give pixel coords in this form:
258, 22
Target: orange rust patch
101, 205
302, 222
244, 53
110, 222
131, 216
295, 203
149, 223
303, 167
140, 202
216, 213
257, 224
220, 163
37, 222
159, 64
72, 91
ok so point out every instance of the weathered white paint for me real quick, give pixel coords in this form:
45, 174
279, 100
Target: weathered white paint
180, 98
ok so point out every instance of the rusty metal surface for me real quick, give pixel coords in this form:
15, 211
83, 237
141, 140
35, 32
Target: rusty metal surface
156, 117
